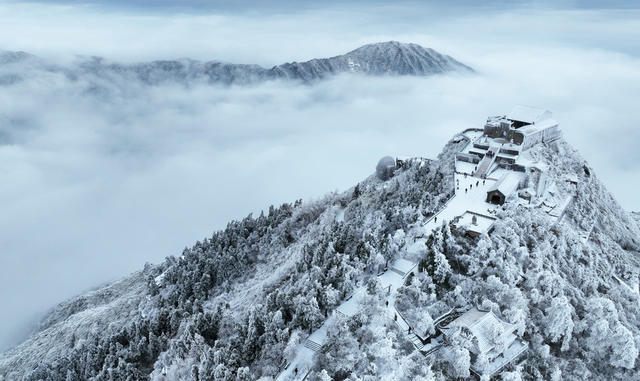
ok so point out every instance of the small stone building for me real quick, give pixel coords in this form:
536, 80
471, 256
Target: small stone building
502, 188
474, 224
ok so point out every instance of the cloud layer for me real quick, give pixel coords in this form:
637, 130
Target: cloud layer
96, 184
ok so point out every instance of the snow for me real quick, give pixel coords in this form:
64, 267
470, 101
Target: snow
514, 350
465, 167
481, 324
558, 210
508, 183
472, 134
158, 280
483, 222
403, 265
632, 289
473, 200
528, 114
533, 128
416, 247
350, 306
391, 280
496, 173
303, 362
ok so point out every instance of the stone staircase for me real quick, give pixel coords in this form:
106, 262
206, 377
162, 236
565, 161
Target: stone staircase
397, 271
415, 340
486, 162
312, 345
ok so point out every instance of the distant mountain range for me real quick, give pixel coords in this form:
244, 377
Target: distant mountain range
384, 58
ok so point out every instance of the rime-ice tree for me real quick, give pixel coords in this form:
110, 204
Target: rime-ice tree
607, 337
459, 361
559, 323
441, 269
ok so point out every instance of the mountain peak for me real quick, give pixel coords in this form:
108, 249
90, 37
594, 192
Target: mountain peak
10, 57
397, 45
394, 57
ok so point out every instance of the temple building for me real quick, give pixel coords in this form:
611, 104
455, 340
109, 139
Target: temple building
524, 126
494, 341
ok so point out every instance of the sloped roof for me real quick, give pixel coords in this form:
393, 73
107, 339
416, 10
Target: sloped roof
482, 324
528, 114
507, 184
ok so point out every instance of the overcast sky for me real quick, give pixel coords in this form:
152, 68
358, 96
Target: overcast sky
92, 188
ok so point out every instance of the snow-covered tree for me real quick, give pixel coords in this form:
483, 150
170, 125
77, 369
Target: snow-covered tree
559, 323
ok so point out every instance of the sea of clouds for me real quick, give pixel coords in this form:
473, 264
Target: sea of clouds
93, 184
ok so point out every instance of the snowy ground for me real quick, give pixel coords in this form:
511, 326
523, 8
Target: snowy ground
471, 193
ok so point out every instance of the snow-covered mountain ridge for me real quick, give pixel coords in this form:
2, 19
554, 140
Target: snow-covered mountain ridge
385, 58
241, 304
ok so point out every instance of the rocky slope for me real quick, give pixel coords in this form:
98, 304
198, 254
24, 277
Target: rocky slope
386, 58
235, 305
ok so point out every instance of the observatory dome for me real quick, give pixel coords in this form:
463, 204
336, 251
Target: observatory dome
385, 167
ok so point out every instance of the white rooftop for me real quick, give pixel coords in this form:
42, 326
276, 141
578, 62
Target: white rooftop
528, 114
483, 325
482, 225
540, 125
507, 184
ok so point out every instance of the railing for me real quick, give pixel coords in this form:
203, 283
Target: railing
444, 206
445, 319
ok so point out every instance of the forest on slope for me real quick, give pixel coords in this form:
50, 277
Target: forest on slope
234, 305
